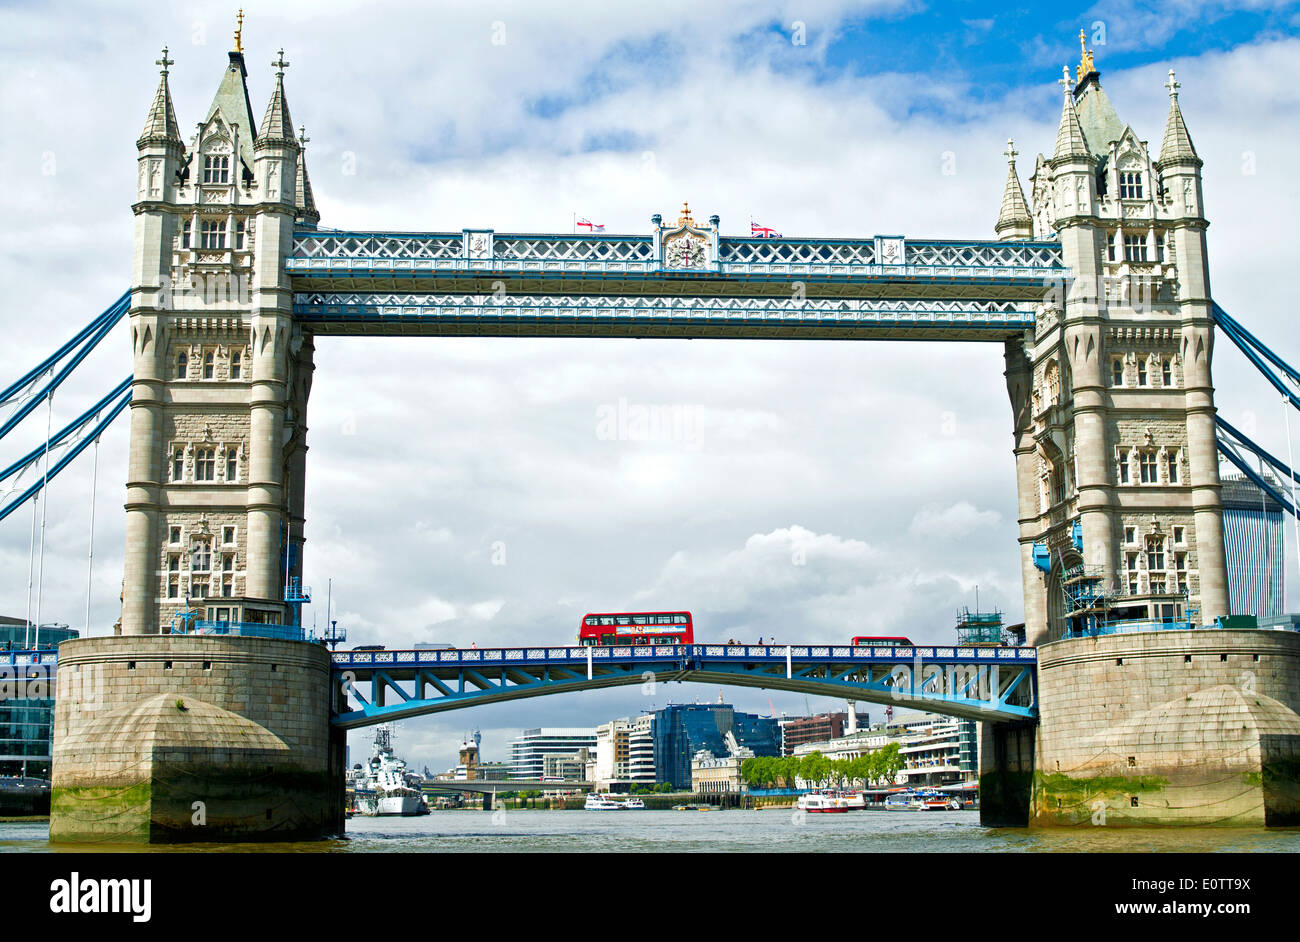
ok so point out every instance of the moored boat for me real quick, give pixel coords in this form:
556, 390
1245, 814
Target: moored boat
913, 800
384, 787
603, 803
823, 803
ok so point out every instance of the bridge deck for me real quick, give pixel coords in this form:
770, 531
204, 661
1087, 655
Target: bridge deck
548, 285
984, 683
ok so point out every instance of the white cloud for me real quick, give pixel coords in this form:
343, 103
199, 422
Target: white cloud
957, 520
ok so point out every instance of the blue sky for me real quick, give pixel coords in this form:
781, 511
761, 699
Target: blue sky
889, 464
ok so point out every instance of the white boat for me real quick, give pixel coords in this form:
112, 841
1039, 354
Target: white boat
604, 803
384, 787
634, 804
823, 803
922, 801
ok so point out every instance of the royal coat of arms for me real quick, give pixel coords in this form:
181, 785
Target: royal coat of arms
686, 245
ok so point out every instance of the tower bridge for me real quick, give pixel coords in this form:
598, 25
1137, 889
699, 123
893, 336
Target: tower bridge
1096, 284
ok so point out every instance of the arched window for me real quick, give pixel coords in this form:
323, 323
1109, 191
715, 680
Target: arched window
200, 556
216, 168
212, 234
182, 361
232, 464
1147, 467
205, 464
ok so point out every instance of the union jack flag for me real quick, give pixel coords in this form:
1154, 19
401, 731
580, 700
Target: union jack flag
585, 223
763, 232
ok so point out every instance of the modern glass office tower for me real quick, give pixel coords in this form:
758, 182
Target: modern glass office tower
681, 730
1252, 532
529, 752
26, 722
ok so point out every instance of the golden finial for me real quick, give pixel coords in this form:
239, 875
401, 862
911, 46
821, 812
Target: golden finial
685, 218
1085, 58
239, 31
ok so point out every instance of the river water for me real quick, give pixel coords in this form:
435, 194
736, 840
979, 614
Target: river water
772, 830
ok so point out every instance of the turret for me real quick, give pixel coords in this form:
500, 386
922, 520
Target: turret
1014, 221
303, 200
161, 150
1179, 165
1072, 164
275, 151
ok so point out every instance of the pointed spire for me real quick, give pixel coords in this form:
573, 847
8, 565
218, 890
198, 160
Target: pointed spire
303, 198
160, 127
1177, 143
1070, 141
1086, 64
1014, 221
277, 126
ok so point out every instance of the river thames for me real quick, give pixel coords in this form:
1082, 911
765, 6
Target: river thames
768, 831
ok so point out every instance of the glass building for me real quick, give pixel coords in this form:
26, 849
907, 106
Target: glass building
531, 750
1252, 536
26, 722
681, 730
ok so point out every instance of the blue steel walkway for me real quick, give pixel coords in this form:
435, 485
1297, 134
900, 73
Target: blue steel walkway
991, 684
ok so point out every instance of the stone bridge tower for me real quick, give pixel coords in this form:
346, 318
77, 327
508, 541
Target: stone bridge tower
1120, 516
222, 373
163, 736
1116, 459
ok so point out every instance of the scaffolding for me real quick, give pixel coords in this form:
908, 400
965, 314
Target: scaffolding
979, 627
1088, 600
1093, 607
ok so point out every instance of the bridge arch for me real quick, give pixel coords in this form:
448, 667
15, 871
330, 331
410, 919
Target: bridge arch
990, 684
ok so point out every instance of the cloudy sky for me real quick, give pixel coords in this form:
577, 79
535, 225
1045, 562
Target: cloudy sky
806, 490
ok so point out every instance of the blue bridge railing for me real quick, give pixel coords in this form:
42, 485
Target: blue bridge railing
246, 629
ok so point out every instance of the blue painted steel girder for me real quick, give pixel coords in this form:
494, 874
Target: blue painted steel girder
658, 316
987, 684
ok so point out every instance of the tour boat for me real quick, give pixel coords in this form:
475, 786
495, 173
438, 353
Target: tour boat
603, 803
823, 803
911, 800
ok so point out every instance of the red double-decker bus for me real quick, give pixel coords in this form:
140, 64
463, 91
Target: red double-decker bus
636, 628
882, 641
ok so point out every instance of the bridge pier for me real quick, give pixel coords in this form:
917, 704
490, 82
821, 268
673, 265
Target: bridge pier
180, 739
1185, 728
1006, 773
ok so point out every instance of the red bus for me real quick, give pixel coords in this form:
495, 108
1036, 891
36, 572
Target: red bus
882, 641
636, 628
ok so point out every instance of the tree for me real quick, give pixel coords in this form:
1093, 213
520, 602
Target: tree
815, 768
889, 763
